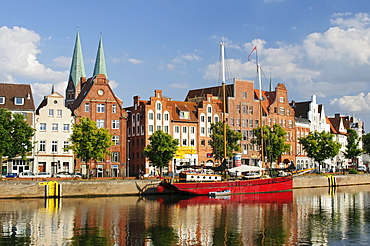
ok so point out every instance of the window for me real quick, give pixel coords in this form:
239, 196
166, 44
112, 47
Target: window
159, 128
216, 119
177, 129
100, 123
142, 130
184, 142
151, 116
165, 129
184, 129
87, 107
65, 145
282, 111
66, 127
114, 108
42, 127
159, 116
202, 118
54, 146
115, 140
245, 135
115, 157
151, 129
250, 109
275, 110
202, 130
54, 127
138, 117
2, 100
166, 117
184, 115
209, 119
159, 106
192, 142
42, 145
209, 109
115, 124
282, 99
59, 113
51, 112
203, 142
192, 129
238, 108
100, 108
244, 94
18, 100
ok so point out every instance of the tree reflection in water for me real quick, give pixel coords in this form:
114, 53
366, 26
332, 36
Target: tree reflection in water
89, 236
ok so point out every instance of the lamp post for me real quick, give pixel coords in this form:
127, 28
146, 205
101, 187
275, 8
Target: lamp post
128, 159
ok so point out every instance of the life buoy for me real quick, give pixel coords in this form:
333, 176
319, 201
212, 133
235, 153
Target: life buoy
160, 189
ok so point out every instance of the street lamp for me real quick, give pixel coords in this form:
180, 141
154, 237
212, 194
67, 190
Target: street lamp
128, 159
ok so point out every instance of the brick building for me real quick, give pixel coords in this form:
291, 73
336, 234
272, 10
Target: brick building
18, 99
243, 113
94, 98
188, 122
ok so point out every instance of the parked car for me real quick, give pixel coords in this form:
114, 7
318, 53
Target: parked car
63, 175
43, 175
77, 175
10, 175
361, 168
26, 175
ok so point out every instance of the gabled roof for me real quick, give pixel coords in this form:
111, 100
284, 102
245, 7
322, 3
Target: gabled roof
215, 91
178, 106
301, 109
77, 66
100, 67
44, 102
11, 91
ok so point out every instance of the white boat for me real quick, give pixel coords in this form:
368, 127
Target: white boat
219, 193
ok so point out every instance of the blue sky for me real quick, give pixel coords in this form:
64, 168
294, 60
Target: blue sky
314, 47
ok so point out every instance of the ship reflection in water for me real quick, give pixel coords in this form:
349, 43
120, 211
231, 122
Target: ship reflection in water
301, 217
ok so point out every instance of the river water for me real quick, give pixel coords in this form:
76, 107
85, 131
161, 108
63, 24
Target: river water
318, 216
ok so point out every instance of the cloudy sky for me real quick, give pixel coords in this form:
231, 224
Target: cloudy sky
316, 47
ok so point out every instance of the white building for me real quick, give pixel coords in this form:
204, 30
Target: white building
53, 129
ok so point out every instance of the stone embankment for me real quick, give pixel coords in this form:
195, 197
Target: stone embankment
95, 188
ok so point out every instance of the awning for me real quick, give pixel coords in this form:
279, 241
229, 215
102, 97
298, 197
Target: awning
245, 168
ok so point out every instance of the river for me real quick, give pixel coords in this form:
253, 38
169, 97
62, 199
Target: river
318, 216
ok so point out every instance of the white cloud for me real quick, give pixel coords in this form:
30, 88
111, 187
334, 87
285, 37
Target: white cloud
62, 61
19, 48
357, 103
134, 61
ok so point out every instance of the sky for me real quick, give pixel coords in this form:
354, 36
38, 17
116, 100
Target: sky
316, 47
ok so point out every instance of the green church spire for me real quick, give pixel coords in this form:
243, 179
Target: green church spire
100, 67
77, 66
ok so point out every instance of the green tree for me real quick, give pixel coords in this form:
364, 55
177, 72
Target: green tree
366, 143
161, 149
273, 141
15, 135
88, 142
352, 150
217, 144
320, 146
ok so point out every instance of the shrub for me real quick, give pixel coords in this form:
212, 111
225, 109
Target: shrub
353, 171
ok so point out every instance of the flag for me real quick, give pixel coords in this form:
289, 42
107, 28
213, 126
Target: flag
255, 48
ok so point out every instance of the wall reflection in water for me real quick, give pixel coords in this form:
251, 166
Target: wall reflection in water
303, 217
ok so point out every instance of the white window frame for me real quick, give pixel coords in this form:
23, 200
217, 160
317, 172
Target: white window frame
18, 100
100, 108
115, 124
87, 107
66, 127
54, 127
51, 112
100, 123
42, 146
2, 100
54, 146
42, 127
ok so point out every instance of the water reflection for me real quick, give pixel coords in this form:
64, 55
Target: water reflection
301, 217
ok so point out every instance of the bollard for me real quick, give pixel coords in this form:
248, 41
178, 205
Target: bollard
52, 189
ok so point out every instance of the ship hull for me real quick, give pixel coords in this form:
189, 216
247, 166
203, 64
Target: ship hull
278, 184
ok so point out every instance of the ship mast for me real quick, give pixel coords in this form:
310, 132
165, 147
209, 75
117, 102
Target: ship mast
222, 46
260, 107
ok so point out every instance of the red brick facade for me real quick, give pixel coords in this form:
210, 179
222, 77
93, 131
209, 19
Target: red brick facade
98, 102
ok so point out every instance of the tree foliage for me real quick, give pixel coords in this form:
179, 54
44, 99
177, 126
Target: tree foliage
320, 146
88, 142
352, 151
366, 143
15, 135
273, 141
161, 149
217, 144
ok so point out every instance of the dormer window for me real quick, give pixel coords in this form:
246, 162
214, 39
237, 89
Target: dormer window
18, 100
2, 100
184, 115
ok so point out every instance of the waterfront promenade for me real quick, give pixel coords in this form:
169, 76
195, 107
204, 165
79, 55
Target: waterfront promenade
22, 188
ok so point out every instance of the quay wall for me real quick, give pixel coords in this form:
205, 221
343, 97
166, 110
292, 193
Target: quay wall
94, 188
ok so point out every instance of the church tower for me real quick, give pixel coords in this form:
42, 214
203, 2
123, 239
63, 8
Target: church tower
100, 67
77, 74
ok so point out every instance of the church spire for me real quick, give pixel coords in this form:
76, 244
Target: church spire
77, 66
100, 67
